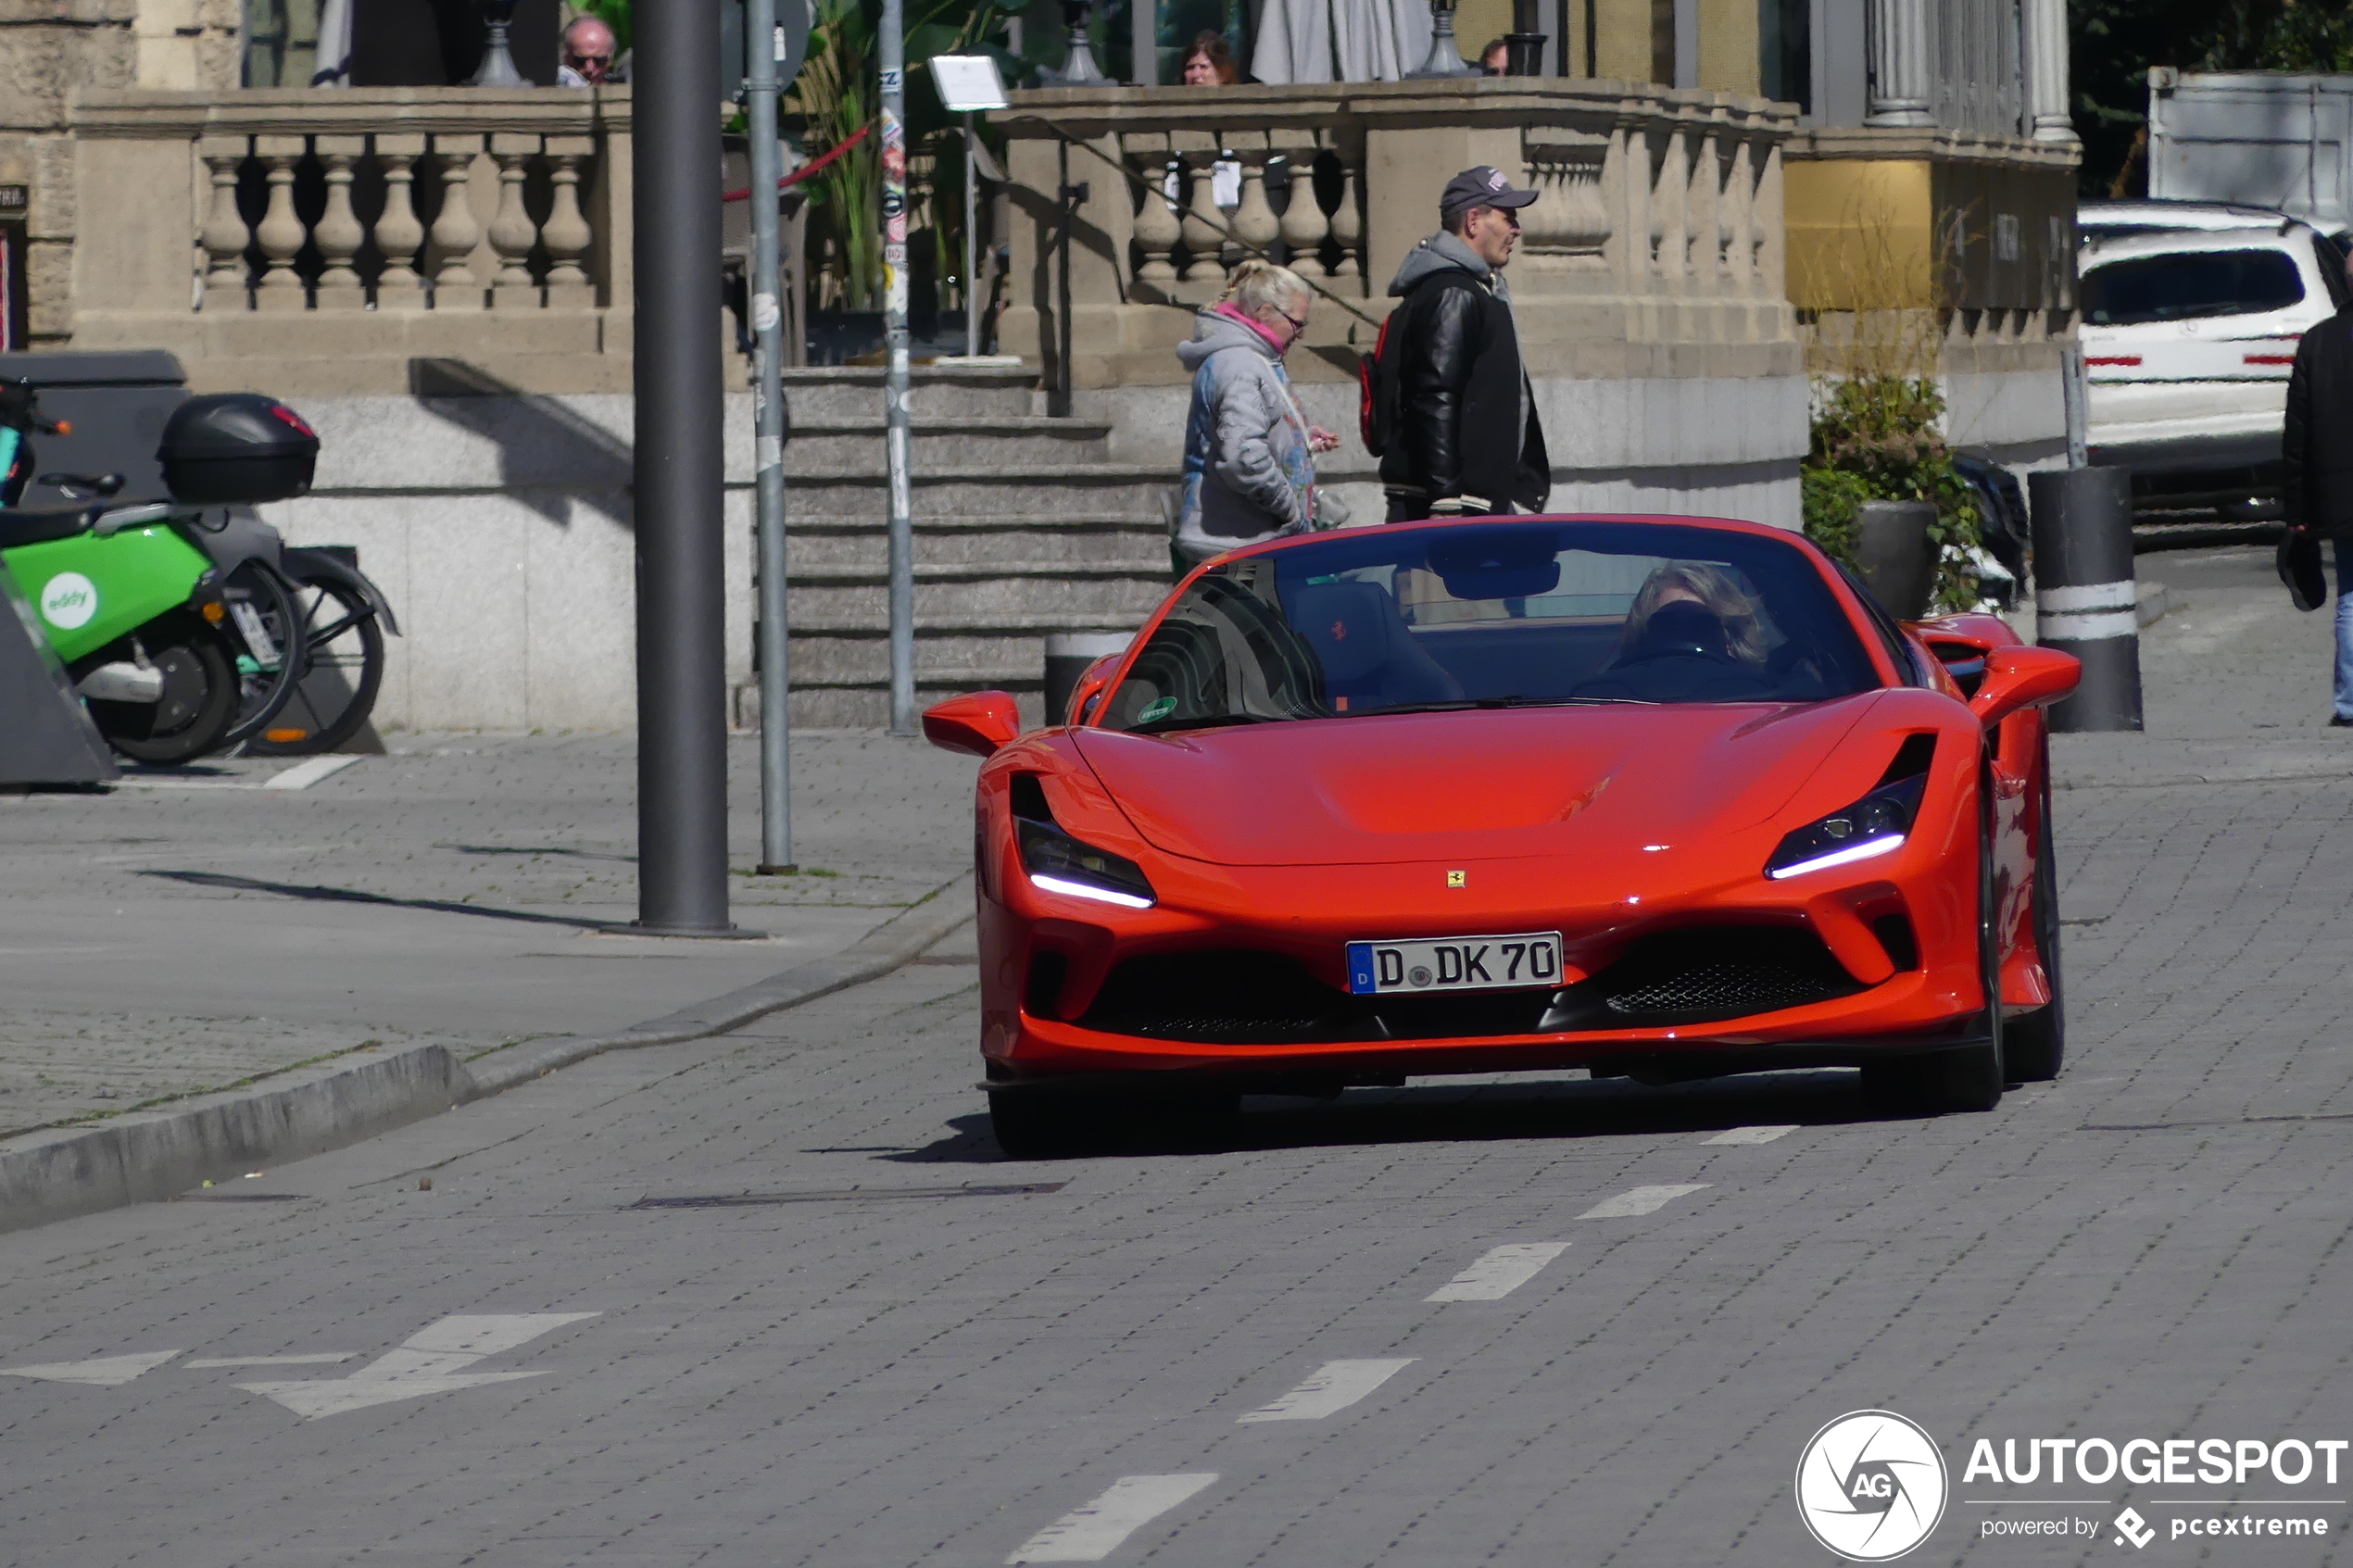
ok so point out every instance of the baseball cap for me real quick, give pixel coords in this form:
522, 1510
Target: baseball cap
1483, 186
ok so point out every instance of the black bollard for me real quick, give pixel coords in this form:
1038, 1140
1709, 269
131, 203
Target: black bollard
2084, 592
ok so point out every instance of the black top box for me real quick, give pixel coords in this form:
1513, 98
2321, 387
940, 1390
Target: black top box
236, 448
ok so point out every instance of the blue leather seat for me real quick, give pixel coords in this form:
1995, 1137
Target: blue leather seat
1369, 657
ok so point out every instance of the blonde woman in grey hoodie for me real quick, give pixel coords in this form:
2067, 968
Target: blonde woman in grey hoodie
1249, 465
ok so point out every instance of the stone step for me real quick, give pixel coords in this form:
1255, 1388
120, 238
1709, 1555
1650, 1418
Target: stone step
971, 543
991, 601
1118, 490
964, 660
872, 567
934, 391
836, 445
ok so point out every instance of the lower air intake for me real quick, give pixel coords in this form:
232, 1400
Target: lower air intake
1718, 973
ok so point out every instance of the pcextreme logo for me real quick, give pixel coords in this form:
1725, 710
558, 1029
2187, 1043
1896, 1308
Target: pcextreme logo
1871, 1485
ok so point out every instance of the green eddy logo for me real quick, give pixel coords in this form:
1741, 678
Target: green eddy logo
69, 601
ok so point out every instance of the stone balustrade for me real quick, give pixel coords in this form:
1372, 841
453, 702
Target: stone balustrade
1657, 237
327, 240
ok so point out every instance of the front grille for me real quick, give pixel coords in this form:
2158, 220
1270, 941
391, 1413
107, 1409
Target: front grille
1704, 975
1240, 996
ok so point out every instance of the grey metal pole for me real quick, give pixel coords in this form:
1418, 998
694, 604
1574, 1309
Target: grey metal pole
682, 725
764, 47
2084, 594
971, 242
897, 438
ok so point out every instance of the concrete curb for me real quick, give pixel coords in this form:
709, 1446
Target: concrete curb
145, 1157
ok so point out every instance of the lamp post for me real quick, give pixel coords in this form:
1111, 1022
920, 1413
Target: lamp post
1444, 58
497, 68
1524, 44
1079, 68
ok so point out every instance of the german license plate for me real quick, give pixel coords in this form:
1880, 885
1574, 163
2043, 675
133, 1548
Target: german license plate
1458, 963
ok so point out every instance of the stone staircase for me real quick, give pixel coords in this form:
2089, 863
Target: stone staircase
1023, 527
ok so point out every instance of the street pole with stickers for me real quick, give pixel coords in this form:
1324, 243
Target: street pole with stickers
777, 34
896, 434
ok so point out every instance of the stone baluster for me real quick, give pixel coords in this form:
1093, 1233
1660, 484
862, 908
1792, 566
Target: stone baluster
1157, 230
1705, 184
399, 234
1348, 226
512, 233
1737, 218
1204, 225
1670, 211
225, 233
567, 234
1254, 222
1303, 225
337, 233
280, 230
455, 229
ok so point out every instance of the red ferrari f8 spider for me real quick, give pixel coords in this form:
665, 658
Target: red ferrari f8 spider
1657, 797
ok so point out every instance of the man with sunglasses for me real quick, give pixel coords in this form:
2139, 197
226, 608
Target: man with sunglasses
587, 54
1452, 415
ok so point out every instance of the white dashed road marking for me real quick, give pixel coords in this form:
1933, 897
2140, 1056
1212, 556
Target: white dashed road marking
430, 1361
107, 1371
1751, 1135
329, 1358
1499, 1271
1331, 1388
1639, 1200
1094, 1532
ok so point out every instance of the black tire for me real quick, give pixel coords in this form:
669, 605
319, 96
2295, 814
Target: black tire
261, 693
2035, 1046
1967, 1078
200, 692
343, 670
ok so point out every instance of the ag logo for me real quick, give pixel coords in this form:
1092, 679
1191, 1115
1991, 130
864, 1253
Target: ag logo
1871, 1485
69, 601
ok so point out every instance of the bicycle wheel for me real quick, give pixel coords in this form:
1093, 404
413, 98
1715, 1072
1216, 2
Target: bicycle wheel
263, 615
342, 657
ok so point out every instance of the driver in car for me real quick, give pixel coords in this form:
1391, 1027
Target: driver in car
1691, 634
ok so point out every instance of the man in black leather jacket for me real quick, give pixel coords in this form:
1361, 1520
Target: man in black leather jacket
2317, 446
1462, 432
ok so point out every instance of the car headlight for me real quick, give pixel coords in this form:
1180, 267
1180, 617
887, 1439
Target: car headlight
1058, 863
1874, 825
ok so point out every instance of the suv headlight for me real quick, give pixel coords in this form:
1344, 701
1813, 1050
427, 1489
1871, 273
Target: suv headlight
1876, 824
1060, 863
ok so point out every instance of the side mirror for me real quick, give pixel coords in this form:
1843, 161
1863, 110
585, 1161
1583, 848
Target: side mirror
978, 722
2019, 678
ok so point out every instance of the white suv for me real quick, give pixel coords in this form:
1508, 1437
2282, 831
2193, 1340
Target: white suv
2188, 336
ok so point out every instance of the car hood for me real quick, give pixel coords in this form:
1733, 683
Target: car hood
1465, 785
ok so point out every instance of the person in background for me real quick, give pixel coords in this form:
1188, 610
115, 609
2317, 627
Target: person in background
1452, 394
1210, 62
1249, 464
1495, 59
2317, 488
587, 54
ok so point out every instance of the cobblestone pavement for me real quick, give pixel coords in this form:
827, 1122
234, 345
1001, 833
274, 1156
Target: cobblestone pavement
1303, 1347
193, 928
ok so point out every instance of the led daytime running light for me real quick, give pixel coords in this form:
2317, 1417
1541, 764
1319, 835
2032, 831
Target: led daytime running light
1058, 863
1087, 890
1847, 855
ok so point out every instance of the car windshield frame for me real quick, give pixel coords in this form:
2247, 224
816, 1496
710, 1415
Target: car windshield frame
1495, 614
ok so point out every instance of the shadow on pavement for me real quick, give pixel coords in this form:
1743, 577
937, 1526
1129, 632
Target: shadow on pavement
1573, 1108
228, 883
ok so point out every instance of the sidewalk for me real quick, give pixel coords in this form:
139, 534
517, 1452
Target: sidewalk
190, 929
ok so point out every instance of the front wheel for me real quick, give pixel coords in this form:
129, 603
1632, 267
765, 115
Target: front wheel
343, 668
1038, 1124
1965, 1077
2037, 1043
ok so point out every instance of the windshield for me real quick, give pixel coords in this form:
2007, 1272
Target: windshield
2190, 285
1386, 621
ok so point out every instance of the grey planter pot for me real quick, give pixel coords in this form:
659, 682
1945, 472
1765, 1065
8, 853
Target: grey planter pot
1893, 550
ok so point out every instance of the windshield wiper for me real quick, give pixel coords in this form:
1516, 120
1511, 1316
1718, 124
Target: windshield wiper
1206, 721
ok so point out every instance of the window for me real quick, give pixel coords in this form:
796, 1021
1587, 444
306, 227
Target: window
2190, 285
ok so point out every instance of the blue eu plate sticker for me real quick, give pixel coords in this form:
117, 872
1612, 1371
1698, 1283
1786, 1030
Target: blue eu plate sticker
1360, 968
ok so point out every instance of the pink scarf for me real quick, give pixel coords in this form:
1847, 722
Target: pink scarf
1233, 312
